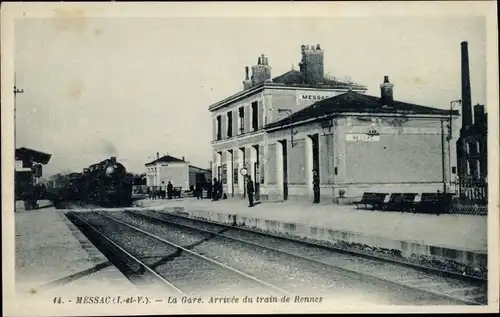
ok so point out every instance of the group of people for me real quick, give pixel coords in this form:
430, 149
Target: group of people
215, 191
161, 194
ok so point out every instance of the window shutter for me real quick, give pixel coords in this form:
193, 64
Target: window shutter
214, 129
260, 109
235, 122
248, 123
224, 127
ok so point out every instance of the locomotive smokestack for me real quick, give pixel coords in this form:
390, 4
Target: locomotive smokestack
466, 95
113, 159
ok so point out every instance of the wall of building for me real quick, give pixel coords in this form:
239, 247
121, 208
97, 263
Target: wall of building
406, 156
177, 173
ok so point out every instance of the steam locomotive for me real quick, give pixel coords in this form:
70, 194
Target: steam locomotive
105, 184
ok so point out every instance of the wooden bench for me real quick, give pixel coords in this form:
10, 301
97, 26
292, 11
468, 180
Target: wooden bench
177, 192
400, 202
433, 203
376, 200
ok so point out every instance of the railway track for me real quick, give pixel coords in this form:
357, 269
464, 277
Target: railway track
466, 290
151, 259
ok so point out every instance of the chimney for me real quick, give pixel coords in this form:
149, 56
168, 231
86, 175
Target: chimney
466, 98
386, 92
157, 155
261, 72
311, 64
183, 158
258, 61
479, 118
247, 83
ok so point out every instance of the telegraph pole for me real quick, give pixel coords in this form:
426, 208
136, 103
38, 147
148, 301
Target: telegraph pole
16, 91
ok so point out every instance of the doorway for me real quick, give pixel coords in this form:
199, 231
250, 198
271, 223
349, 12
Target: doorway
285, 168
231, 172
244, 159
256, 171
315, 161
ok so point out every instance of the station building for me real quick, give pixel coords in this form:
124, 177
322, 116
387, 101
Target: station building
239, 138
357, 143
178, 171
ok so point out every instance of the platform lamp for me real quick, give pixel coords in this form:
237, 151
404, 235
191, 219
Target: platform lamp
292, 132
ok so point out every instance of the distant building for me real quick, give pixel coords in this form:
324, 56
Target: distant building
472, 151
178, 171
239, 138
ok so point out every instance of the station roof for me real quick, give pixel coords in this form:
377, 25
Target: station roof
37, 156
352, 101
292, 79
166, 159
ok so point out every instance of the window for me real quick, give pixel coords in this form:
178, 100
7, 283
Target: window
468, 168
467, 145
255, 116
241, 120
219, 128
478, 169
229, 124
478, 148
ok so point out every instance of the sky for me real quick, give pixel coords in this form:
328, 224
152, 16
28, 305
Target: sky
131, 87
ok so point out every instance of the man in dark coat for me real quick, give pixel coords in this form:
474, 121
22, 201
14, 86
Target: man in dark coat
215, 190
170, 189
209, 189
250, 191
198, 190
316, 187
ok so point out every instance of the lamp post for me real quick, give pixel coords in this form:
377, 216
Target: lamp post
292, 133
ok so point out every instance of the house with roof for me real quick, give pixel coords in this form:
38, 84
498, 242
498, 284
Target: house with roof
359, 143
239, 139
280, 130
175, 170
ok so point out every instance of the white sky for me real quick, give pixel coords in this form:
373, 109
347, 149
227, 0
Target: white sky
132, 87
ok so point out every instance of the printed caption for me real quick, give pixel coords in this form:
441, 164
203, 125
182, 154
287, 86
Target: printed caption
145, 300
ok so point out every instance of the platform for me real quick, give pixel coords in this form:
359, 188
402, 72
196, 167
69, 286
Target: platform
53, 258
461, 238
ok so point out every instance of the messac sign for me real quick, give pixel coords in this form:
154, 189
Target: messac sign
362, 137
311, 97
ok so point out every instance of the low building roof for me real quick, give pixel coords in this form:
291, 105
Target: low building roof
37, 156
352, 101
166, 159
199, 168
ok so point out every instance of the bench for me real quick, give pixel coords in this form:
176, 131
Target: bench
433, 203
400, 202
177, 192
374, 199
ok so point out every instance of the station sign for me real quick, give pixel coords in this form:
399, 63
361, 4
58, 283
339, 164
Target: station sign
310, 97
362, 137
20, 168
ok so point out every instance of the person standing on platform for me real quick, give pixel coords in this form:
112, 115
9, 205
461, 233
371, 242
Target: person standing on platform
215, 190
250, 191
316, 187
170, 189
198, 190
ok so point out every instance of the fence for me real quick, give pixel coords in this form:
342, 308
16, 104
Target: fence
471, 197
